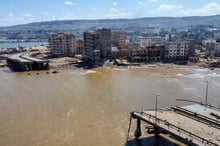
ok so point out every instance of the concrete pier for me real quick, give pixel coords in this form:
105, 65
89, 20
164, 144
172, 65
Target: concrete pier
192, 125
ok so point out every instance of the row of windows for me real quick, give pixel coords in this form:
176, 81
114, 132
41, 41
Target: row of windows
176, 50
176, 54
59, 47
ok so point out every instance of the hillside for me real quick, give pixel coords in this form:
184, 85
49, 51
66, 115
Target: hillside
161, 22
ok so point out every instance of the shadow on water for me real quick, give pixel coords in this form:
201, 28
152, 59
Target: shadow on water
149, 141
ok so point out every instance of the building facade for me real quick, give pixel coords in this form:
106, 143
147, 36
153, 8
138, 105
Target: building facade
91, 50
97, 45
104, 42
212, 49
79, 47
150, 41
177, 50
62, 44
118, 39
216, 35
148, 54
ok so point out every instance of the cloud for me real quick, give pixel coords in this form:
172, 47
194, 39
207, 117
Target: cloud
166, 10
208, 9
118, 13
27, 15
140, 3
153, 1
115, 3
69, 3
12, 19
168, 7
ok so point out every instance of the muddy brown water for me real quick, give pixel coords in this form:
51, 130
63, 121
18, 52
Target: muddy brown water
91, 107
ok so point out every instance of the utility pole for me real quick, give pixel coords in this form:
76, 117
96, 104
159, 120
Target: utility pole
156, 109
206, 97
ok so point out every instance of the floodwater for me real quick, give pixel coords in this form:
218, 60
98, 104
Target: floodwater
91, 107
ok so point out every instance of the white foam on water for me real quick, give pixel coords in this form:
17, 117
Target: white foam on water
198, 75
87, 72
69, 113
179, 75
202, 69
191, 75
120, 69
83, 72
214, 75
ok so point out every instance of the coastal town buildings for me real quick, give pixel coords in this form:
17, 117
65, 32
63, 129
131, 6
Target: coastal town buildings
62, 44
104, 44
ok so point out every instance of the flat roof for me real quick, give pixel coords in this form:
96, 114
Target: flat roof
17, 57
33, 59
20, 57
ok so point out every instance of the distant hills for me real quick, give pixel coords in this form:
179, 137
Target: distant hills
123, 24
161, 22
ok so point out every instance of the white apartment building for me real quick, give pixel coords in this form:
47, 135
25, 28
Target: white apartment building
177, 50
149, 41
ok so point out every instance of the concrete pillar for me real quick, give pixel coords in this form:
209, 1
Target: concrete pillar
137, 133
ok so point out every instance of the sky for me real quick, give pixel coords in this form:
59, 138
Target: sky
13, 12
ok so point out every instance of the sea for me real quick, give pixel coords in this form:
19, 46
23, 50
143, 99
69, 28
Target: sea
78, 107
15, 44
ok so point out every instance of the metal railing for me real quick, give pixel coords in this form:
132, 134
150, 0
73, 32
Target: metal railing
167, 127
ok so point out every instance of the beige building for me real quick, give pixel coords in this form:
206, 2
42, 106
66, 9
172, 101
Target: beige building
118, 39
62, 44
150, 41
177, 50
79, 47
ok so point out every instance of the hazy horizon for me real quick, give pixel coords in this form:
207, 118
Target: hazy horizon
15, 12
